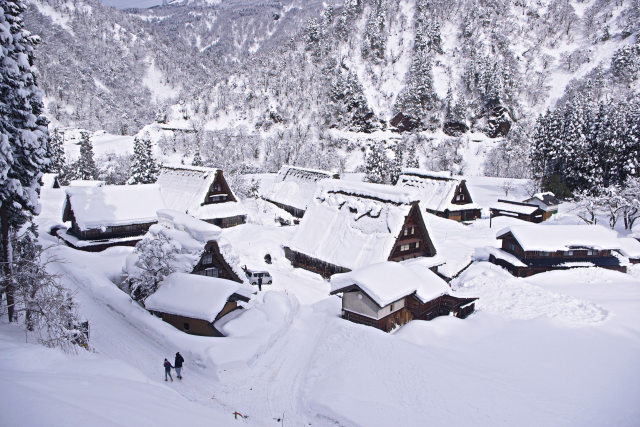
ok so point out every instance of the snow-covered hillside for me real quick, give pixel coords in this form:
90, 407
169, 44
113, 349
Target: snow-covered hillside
557, 348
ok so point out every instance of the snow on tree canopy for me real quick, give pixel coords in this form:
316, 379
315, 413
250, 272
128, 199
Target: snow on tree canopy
187, 189
352, 224
95, 207
548, 238
387, 282
191, 295
295, 186
435, 190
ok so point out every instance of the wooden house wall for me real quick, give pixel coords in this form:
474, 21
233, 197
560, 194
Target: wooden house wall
387, 323
419, 242
231, 221
219, 186
296, 212
301, 260
360, 303
196, 326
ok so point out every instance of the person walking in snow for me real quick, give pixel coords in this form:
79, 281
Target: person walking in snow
167, 369
178, 365
259, 283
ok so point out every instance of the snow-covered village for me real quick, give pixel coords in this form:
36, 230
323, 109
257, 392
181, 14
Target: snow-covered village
327, 213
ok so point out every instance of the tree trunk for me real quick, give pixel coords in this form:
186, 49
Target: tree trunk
7, 259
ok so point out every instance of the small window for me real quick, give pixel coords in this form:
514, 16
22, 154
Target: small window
413, 230
417, 245
404, 248
212, 272
392, 306
406, 231
207, 258
459, 197
569, 253
186, 327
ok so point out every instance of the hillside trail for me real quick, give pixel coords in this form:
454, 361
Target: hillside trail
117, 335
274, 386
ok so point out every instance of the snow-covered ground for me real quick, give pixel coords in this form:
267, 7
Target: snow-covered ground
558, 348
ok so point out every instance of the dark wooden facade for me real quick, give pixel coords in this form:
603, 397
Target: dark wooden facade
387, 323
296, 212
412, 242
219, 191
541, 261
194, 326
231, 221
213, 264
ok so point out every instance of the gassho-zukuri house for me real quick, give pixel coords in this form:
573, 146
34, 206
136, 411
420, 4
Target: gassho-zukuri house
120, 214
440, 194
294, 187
390, 294
354, 224
196, 247
197, 304
531, 249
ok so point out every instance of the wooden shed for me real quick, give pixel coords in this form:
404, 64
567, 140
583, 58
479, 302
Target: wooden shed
546, 201
193, 303
519, 210
355, 224
531, 249
440, 194
388, 295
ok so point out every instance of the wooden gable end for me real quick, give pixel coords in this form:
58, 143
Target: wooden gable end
219, 191
461, 196
414, 240
68, 215
212, 263
510, 244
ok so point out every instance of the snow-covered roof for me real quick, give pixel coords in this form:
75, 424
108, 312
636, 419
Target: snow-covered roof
112, 205
435, 190
191, 295
184, 188
86, 183
629, 247
562, 237
547, 198
515, 207
197, 229
387, 282
352, 224
295, 186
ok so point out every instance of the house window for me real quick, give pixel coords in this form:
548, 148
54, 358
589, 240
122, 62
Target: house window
207, 258
212, 272
409, 230
417, 245
392, 307
569, 253
459, 197
545, 253
404, 248
186, 327
512, 246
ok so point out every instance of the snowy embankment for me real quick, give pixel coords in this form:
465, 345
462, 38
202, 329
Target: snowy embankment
558, 348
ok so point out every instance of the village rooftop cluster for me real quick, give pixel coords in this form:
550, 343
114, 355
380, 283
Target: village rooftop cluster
374, 242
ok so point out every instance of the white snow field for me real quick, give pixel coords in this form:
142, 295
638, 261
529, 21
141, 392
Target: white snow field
554, 349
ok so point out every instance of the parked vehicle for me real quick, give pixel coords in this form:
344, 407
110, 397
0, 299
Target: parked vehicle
254, 275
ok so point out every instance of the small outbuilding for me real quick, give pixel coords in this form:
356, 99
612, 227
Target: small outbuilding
294, 187
388, 295
546, 201
519, 210
193, 303
531, 249
440, 194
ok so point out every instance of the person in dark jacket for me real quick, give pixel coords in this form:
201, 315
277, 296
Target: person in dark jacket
167, 369
260, 283
178, 365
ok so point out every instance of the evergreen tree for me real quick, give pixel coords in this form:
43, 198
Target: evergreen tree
376, 164
85, 166
24, 151
395, 166
56, 148
412, 159
197, 159
374, 40
144, 169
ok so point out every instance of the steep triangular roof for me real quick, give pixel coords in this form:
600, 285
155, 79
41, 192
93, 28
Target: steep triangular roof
189, 188
436, 190
353, 224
